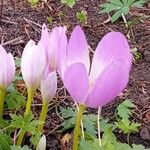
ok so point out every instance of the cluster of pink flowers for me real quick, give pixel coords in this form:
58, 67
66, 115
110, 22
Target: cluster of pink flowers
91, 84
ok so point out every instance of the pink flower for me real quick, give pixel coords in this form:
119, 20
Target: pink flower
108, 75
33, 64
49, 84
53, 42
7, 68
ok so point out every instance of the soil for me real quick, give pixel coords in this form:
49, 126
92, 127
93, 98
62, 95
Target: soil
21, 22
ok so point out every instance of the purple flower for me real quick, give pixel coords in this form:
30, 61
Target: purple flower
7, 68
108, 75
53, 42
49, 84
33, 64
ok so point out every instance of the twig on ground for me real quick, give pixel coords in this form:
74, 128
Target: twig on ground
14, 41
32, 22
8, 21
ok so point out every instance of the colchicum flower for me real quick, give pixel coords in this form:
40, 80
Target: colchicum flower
7, 74
7, 68
48, 91
49, 85
53, 43
33, 64
98, 84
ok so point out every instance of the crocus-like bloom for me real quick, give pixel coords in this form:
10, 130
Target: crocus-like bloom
33, 64
49, 84
7, 68
53, 42
108, 75
42, 143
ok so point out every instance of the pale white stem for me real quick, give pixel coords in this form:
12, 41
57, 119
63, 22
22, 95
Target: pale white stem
124, 19
98, 125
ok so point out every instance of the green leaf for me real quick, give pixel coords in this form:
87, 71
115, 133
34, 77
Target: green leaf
33, 2
124, 110
82, 16
123, 146
106, 8
5, 141
139, 3
108, 137
36, 138
3, 123
125, 2
105, 125
116, 2
27, 123
139, 147
89, 145
25, 147
68, 123
15, 100
119, 7
126, 126
125, 10
18, 62
70, 3
116, 15
67, 112
89, 123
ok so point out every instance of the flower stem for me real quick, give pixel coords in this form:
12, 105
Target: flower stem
20, 137
43, 115
77, 127
98, 124
29, 102
2, 96
27, 112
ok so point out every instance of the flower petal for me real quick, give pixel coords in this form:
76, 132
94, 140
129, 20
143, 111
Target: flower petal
113, 46
49, 85
45, 40
7, 68
78, 48
33, 64
109, 84
58, 44
10, 70
76, 82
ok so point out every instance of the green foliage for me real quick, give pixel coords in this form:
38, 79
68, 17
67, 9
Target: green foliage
18, 62
15, 100
69, 118
109, 142
69, 3
33, 2
124, 110
25, 147
120, 7
82, 16
5, 141
27, 123
50, 19
139, 147
35, 138
126, 126
89, 145
89, 121
137, 55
